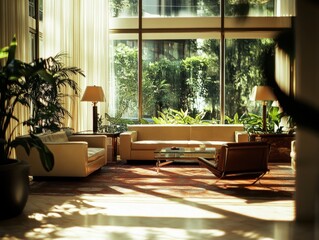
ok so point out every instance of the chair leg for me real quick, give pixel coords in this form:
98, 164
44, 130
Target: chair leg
259, 178
256, 180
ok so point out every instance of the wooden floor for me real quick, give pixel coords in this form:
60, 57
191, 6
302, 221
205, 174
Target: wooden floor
124, 201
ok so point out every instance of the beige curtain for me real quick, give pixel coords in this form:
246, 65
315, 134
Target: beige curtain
79, 28
283, 70
284, 78
285, 7
14, 18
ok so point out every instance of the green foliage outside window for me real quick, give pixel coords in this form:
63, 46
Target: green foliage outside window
173, 116
125, 72
243, 71
188, 80
186, 77
159, 84
249, 7
126, 7
121, 8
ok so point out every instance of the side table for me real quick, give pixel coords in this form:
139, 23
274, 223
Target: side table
280, 145
114, 136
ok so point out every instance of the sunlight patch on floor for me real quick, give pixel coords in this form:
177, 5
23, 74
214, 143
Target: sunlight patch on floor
128, 233
148, 206
267, 211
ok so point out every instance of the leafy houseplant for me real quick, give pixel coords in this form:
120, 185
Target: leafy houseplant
16, 79
254, 123
275, 135
47, 97
116, 124
172, 116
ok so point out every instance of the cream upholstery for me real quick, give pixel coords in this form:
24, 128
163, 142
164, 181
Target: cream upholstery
241, 136
293, 154
140, 141
74, 156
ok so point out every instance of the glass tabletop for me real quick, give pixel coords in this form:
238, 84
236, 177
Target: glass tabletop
171, 154
185, 150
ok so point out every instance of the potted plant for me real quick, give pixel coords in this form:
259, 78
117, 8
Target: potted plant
275, 134
16, 78
253, 123
47, 97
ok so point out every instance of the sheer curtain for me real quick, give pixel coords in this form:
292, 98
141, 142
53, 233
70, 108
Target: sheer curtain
283, 70
14, 19
79, 28
283, 77
285, 7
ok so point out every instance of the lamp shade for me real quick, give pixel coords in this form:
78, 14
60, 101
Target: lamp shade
93, 94
262, 93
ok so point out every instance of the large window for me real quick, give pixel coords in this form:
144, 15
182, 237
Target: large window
32, 9
123, 97
184, 55
243, 71
182, 8
181, 74
35, 38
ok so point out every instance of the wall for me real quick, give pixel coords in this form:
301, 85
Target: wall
307, 39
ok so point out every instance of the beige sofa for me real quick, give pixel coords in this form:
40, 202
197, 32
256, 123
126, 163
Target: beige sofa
74, 155
140, 141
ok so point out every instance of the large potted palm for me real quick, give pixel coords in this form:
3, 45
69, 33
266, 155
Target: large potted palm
47, 96
16, 77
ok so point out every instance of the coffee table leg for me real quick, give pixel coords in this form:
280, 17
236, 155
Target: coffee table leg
159, 164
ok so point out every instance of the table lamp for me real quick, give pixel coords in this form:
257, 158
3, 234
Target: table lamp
263, 93
93, 94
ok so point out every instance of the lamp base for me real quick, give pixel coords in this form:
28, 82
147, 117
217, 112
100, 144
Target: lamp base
95, 119
264, 117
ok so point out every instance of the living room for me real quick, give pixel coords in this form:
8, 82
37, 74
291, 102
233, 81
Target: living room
91, 35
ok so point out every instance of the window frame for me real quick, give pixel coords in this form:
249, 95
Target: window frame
220, 27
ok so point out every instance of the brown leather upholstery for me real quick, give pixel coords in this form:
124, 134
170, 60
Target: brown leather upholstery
248, 159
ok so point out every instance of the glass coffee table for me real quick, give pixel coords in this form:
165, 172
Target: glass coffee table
164, 156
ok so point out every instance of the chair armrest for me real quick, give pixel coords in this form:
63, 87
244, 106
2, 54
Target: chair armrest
211, 165
92, 140
126, 138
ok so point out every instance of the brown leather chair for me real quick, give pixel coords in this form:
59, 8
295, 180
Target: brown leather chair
239, 160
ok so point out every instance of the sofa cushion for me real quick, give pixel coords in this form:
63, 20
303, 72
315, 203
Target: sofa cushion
215, 144
161, 132
154, 144
215, 132
95, 153
54, 137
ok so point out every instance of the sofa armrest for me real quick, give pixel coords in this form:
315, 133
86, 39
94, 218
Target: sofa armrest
92, 140
241, 136
70, 150
70, 159
126, 138
99, 141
